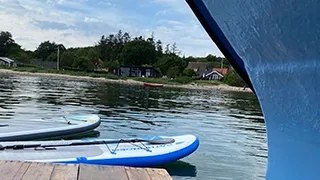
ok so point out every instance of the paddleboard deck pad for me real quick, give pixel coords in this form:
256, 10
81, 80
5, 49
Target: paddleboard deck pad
22, 130
142, 152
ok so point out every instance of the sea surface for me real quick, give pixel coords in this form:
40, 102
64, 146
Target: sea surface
230, 125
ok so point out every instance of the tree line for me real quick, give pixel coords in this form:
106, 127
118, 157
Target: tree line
110, 52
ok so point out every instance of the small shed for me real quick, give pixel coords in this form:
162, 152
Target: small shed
137, 71
7, 62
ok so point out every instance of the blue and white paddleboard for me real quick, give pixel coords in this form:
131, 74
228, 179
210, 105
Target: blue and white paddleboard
141, 152
33, 129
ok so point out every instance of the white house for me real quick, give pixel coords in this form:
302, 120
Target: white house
7, 61
214, 75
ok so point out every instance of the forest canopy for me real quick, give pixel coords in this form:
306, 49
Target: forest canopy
110, 51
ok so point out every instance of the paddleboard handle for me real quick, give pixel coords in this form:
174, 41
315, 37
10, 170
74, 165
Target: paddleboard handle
68, 121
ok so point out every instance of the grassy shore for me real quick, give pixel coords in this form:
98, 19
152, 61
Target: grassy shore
180, 82
176, 81
68, 72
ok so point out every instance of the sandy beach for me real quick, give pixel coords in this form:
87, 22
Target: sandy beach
222, 87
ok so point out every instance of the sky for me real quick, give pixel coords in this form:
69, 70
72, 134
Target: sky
79, 23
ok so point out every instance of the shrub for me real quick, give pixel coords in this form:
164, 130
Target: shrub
233, 79
173, 72
188, 72
183, 80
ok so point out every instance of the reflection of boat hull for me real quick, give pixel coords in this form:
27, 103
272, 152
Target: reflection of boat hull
181, 168
152, 85
274, 45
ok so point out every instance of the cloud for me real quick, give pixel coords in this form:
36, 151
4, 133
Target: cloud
87, 19
179, 6
190, 38
51, 25
177, 22
77, 23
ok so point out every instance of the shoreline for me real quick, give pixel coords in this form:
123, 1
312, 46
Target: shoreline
221, 87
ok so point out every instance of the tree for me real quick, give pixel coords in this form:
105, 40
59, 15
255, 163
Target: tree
138, 52
159, 49
61, 48
112, 64
111, 51
233, 79
173, 72
171, 60
174, 49
83, 63
102, 48
47, 48
7, 44
126, 37
93, 57
67, 59
216, 61
52, 57
9, 48
151, 39
110, 47
167, 50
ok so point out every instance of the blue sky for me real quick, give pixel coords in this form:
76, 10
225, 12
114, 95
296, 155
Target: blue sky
78, 23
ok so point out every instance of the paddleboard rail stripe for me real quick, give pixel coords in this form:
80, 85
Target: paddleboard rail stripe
143, 161
127, 154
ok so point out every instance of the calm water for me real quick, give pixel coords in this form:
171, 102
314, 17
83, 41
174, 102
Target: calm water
230, 126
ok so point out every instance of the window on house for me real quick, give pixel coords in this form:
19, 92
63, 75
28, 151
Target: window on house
148, 72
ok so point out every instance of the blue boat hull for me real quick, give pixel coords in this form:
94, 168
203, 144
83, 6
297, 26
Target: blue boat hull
274, 45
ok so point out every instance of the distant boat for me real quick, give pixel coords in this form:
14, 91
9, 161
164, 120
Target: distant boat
274, 46
152, 85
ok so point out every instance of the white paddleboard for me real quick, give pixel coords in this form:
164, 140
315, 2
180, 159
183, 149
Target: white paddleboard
150, 151
23, 130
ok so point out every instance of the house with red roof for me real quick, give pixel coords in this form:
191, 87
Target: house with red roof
223, 71
204, 72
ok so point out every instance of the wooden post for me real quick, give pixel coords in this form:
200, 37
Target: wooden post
58, 58
222, 63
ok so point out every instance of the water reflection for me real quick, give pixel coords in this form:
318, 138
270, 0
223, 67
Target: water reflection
181, 168
230, 126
